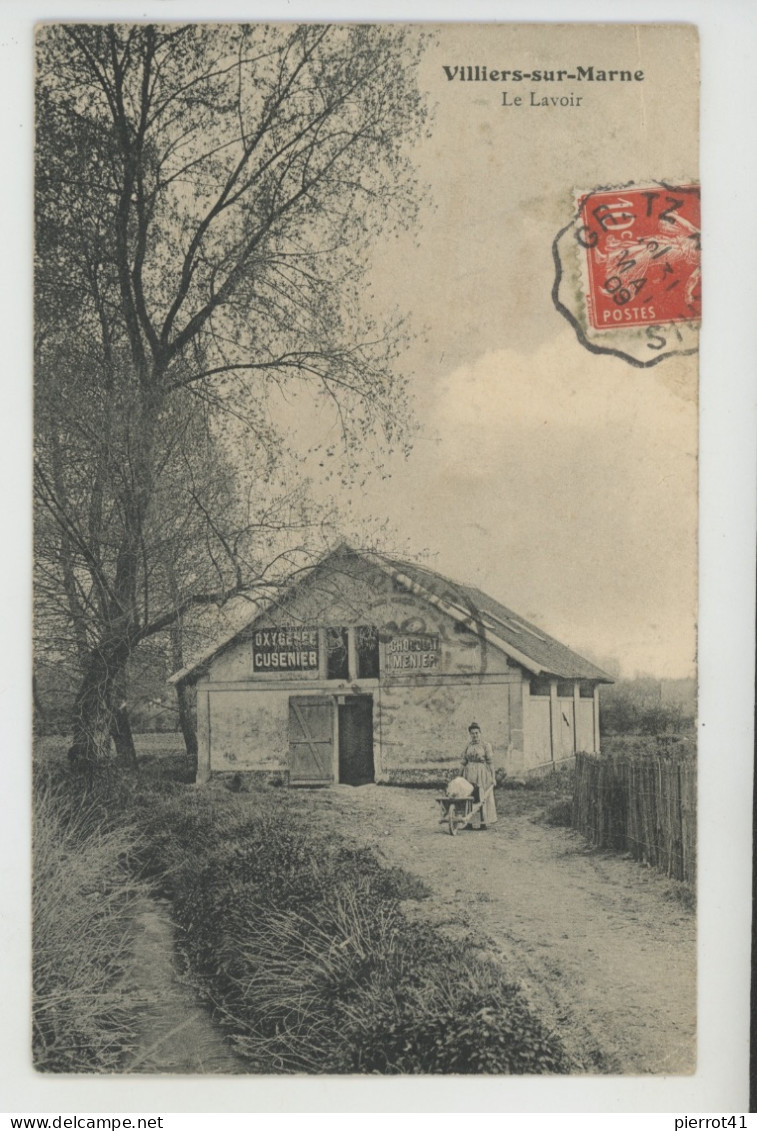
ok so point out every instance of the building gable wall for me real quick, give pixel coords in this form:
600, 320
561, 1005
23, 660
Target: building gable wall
360, 593
433, 675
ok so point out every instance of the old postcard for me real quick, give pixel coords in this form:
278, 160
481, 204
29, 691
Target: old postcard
366, 384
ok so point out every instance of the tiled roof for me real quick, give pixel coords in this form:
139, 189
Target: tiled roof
501, 623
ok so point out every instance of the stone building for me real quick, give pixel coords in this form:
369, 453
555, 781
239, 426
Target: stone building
371, 669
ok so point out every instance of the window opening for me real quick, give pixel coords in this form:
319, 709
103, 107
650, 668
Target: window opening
337, 656
367, 647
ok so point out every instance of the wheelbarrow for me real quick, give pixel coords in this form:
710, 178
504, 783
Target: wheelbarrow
457, 812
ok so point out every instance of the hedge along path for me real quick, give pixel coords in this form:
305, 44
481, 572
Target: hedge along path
603, 950
177, 1034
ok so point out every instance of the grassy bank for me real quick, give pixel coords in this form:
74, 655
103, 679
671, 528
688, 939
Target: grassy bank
299, 942
83, 900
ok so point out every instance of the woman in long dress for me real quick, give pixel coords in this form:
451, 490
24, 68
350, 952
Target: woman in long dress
479, 771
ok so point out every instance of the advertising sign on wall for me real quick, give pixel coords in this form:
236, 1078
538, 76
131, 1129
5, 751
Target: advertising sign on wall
412, 651
287, 649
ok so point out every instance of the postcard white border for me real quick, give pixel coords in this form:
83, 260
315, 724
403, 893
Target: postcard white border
728, 33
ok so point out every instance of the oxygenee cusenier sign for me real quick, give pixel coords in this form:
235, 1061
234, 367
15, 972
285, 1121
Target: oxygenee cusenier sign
285, 649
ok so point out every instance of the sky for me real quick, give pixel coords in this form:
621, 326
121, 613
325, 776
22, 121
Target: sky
554, 486
561, 482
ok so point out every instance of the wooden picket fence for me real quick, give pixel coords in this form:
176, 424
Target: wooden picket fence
645, 806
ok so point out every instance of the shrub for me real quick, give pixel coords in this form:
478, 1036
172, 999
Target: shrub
83, 903
300, 942
470, 1032
297, 938
560, 814
647, 706
559, 779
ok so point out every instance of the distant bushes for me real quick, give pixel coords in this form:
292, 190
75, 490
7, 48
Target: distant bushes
647, 706
673, 747
302, 945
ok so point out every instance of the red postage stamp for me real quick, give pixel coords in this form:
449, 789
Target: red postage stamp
642, 249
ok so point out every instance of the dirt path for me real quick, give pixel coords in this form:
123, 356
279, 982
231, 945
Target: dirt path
177, 1034
602, 948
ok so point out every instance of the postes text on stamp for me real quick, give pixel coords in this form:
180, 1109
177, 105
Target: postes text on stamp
642, 255
628, 270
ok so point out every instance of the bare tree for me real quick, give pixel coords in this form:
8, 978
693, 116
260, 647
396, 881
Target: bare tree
206, 201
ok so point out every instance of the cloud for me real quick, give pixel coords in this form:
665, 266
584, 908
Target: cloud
565, 484
560, 391
560, 482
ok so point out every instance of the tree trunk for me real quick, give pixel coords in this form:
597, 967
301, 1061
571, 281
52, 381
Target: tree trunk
123, 739
40, 714
120, 727
187, 723
96, 706
183, 694
100, 708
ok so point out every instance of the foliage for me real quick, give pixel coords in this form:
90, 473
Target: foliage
560, 814
476, 1025
83, 901
151, 706
641, 748
206, 202
647, 706
301, 943
548, 794
298, 940
558, 780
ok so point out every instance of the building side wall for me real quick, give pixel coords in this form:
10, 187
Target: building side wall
538, 739
416, 727
249, 729
426, 725
585, 726
558, 725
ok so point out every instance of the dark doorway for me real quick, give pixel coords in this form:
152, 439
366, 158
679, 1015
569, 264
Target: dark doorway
356, 740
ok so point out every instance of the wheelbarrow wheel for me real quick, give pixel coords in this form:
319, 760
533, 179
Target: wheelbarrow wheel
452, 822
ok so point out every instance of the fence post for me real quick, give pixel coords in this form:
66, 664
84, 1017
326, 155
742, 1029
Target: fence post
641, 805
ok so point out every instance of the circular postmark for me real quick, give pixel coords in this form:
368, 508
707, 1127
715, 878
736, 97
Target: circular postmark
628, 271
451, 636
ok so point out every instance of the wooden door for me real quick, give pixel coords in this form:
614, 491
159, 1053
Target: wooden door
356, 740
311, 740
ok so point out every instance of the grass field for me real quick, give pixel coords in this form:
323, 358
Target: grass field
300, 939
